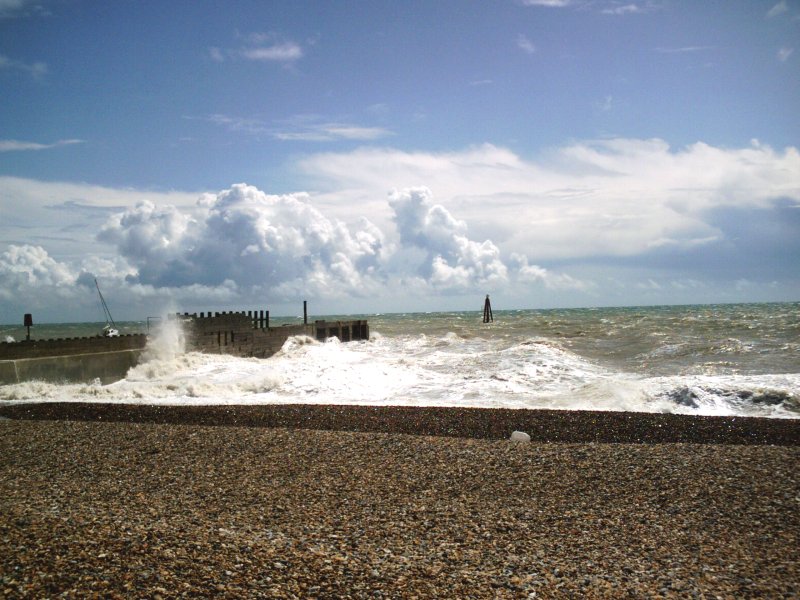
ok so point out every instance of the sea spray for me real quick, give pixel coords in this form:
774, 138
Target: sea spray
164, 353
168, 342
293, 345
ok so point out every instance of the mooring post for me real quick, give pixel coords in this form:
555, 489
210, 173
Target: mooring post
305, 312
487, 311
28, 322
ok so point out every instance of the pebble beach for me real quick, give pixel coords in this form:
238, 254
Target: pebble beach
149, 502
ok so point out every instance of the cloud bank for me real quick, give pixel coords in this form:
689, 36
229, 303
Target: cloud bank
617, 197
283, 247
594, 222
243, 243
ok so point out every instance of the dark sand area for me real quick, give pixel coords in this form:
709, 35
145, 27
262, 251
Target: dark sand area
140, 502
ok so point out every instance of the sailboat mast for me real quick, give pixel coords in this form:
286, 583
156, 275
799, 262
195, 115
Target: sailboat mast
107, 312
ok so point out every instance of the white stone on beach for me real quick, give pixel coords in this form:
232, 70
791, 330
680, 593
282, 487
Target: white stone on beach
520, 436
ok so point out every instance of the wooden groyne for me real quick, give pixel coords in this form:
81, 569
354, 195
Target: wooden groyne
248, 333
84, 359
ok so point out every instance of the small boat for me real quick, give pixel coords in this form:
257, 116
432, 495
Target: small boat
110, 330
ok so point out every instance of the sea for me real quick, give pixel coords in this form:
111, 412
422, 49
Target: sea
732, 359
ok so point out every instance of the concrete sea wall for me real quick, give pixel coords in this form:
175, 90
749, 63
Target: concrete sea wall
105, 366
70, 359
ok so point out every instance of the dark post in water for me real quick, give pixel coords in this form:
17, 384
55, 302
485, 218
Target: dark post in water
487, 311
305, 312
28, 323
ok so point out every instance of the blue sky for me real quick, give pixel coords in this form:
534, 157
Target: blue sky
374, 156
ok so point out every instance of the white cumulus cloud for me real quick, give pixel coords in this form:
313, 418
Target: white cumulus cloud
285, 245
26, 272
250, 237
454, 262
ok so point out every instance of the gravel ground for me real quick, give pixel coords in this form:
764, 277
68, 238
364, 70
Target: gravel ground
147, 510
494, 423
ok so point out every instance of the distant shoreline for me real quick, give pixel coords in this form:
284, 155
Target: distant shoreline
493, 423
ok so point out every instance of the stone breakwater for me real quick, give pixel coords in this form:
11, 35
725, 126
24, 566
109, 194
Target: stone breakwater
139, 509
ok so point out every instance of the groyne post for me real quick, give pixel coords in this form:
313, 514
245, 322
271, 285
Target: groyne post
305, 312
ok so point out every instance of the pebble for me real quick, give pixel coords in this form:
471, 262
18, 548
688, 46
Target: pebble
520, 436
87, 509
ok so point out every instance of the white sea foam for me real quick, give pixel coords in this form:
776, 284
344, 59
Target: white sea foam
746, 395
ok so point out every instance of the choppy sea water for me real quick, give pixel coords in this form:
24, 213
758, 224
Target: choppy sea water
712, 359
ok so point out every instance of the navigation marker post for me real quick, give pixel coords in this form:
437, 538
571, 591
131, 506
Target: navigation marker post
488, 317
